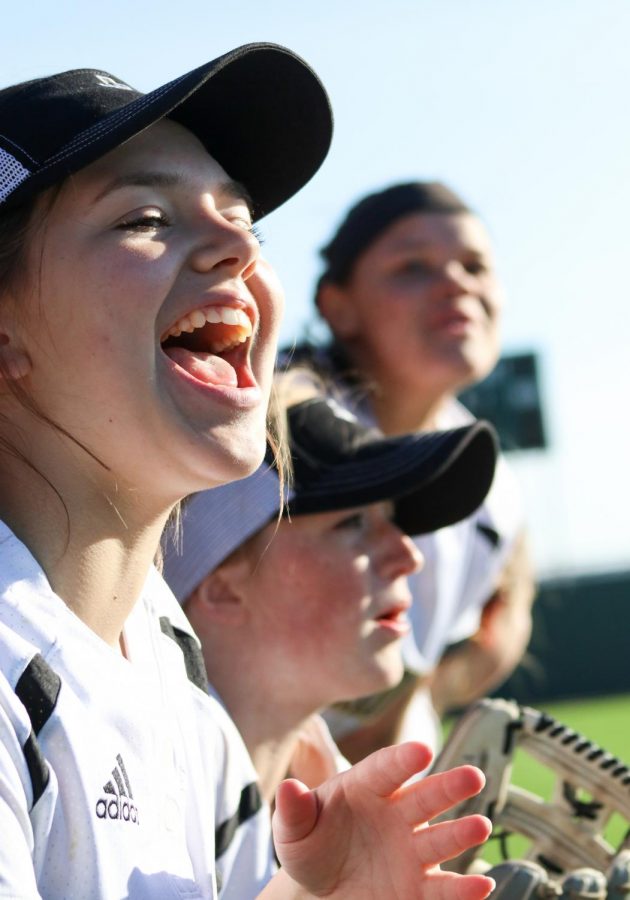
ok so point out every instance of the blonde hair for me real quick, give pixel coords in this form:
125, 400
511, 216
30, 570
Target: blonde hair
290, 387
277, 440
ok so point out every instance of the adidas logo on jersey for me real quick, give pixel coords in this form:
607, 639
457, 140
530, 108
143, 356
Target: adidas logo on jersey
118, 804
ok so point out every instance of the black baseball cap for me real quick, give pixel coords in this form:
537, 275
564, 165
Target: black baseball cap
434, 479
373, 214
260, 111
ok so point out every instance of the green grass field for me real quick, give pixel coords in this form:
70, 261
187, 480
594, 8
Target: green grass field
605, 721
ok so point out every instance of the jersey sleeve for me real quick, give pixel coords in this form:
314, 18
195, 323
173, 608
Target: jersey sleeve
495, 529
243, 842
17, 867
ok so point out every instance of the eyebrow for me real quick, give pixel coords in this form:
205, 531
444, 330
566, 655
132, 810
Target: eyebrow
230, 188
406, 244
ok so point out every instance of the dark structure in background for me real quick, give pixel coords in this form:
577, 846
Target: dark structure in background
510, 398
579, 644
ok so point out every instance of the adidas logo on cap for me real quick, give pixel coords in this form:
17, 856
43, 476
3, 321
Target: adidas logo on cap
118, 802
109, 82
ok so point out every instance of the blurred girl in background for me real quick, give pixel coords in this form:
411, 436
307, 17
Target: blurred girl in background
410, 295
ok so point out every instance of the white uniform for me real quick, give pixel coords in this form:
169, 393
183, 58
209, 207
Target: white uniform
462, 564
115, 772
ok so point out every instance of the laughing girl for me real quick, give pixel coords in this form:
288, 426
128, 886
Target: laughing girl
137, 335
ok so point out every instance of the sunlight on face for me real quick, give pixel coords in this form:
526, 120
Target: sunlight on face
153, 235
424, 302
328, 599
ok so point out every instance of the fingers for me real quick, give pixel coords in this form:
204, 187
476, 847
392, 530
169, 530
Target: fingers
296, 812
386, 770
426, 799
437, 843
450, 886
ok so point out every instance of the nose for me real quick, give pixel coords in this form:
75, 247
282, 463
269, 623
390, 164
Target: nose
227, 246
457, 279
398, 555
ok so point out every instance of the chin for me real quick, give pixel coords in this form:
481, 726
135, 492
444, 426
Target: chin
242, 461
461, 370
478, 361
232, 458
392, 676
384, 676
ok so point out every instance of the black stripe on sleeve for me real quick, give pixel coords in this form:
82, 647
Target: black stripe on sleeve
37, 766
193, 658
490, 534
250, 803
38, 689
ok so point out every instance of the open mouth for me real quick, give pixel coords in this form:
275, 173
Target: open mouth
212, 345
392, 615
456, 318
395, 616
453, 320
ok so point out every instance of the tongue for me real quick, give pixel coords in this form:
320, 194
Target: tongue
204, 366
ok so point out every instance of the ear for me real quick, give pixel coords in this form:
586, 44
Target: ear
15, 363
221, 597
338, 309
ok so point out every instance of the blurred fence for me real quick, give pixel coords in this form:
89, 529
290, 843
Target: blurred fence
580, 643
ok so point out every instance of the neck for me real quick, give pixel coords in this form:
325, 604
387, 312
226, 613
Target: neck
270, 728
94, 543
399, 406
270, 736
272, 761
398, 412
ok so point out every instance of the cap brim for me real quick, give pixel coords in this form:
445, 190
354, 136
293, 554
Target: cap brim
435, 479
260, 111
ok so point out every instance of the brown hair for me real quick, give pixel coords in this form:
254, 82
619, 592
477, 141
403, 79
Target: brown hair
18, 227
15, 227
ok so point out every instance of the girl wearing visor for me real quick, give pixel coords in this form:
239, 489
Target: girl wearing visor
314, 605
138, 329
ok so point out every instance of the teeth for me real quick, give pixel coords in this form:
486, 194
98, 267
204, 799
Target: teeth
215, 315
230, 317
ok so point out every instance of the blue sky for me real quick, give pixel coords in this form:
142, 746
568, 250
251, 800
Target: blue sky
523, 108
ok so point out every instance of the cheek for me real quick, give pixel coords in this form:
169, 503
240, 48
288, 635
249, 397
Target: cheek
97, 305
492, 295
385, 315
266, 290
400, 327
316, 598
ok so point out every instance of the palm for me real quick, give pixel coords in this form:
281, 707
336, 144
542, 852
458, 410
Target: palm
360, 834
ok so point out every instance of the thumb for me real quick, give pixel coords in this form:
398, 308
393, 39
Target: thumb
296, 813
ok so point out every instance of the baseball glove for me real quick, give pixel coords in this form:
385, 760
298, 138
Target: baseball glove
567, 855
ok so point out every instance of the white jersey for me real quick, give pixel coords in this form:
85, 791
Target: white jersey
115, 773
461, 564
